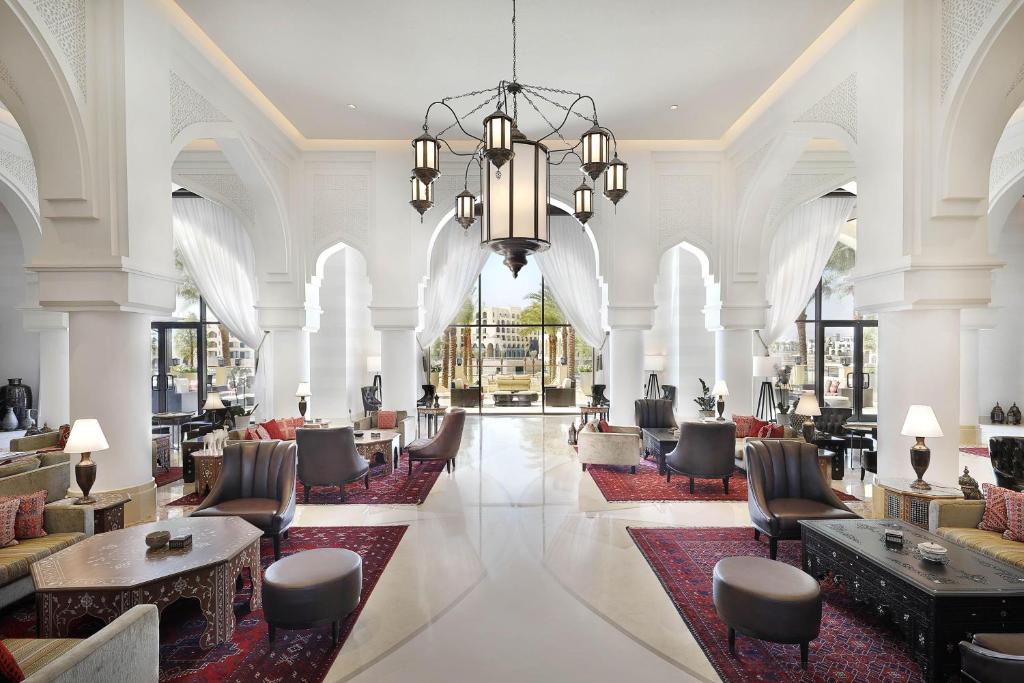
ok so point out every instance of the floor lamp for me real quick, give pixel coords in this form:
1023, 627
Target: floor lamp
764, 366
653, 365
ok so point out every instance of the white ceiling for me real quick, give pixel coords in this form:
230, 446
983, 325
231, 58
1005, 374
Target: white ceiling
391, 58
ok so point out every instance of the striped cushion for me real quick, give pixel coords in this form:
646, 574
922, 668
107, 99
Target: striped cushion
989, 543
32, 654
15, 560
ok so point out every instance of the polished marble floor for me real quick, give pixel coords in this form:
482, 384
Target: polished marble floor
516, 569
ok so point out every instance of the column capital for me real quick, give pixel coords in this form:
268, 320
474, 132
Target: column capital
288, 317
724, 316
37, 319
105, 288
917, 284
979, 318
631, 317
394, 317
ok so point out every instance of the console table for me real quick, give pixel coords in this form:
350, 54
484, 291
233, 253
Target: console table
108, 510
659, 442
899, 501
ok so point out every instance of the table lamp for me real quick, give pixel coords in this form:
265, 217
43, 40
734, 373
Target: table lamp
86, 438
303, 392
214, 405
653, 365
809, 408
921, 423
721, 391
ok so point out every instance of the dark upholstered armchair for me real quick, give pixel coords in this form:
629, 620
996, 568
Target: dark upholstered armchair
706, 450
370, 400
668, 392
442, 446
653, 412
1008, 461
427, 399
785, 486
328, 457
256, 483
832, 420
993, 658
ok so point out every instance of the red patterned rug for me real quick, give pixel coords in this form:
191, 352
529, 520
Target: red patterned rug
397, 488
296, 656
980, 451
171, 475
618, 485
854, 645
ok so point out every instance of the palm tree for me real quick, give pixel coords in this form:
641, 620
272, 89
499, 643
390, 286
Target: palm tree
835, 283
553, 319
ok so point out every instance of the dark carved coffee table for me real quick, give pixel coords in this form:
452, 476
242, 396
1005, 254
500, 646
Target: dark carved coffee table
106, 575
659, 442
934, 606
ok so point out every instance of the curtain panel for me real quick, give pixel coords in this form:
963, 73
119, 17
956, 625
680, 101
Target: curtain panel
570, 274
455, 265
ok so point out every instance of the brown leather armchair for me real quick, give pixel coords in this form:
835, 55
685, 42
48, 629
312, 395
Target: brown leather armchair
654, 412
785, 486
328, 457
256, 483
706, 450
442, 446
992, 658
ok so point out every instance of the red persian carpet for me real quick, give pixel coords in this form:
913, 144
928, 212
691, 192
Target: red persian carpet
296, 656
975, 450
619, 486
163, 478
398, 488
853, 646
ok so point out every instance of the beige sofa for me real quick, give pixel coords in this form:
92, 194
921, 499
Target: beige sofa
127, 650
621, 446
512, 382
957, 521
370, 422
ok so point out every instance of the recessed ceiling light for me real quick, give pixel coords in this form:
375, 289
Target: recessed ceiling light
351, 106
674, 107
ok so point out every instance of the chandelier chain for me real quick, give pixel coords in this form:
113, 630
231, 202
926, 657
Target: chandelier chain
534, 89
472, 111
537, 109
515, 39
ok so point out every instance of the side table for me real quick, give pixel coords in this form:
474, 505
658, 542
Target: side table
597, 411
432, 416
208, 465
899, 501
108, 510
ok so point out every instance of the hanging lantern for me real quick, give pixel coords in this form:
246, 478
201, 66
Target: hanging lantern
498, 138
427, 163
584, 203
465, 208
595, 151
515, 215
615, 180
422, 195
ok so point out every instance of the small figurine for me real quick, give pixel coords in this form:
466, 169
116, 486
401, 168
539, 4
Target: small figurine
437, 401
1013, 415
969, 486
572, 433
997, 415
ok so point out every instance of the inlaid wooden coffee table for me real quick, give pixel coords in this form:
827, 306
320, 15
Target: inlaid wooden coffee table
379, 450
106, 575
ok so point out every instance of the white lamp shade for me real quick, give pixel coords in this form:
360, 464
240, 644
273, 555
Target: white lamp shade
764, 366
654, 363
720, 389
86, 437
303, 390
373, 363
921, 421
808, 405
213, 402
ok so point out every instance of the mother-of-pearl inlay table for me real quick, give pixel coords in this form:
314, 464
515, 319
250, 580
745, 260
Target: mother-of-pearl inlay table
108, 574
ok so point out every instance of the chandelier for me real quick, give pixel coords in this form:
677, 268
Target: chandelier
515, 169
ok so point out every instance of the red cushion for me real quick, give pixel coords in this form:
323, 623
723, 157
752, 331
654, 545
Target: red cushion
1014, 516
994, 518
387, 419
274, 429
8, 516
743, 425
771, 431
9, 669
756, 426
29, 520
602, 426
63, 434
262, 434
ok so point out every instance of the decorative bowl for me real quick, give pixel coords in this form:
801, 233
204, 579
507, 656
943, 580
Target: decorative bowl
157, 539
933, 552
357, 434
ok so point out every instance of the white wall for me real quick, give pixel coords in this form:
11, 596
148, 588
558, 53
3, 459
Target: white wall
1000, 367
361, 339
328, 346
19, 350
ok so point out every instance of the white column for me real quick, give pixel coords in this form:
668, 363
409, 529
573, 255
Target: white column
52, 396
289, 366
918, 362
969, 430
625, 373
399, 358
734, 364
110, 381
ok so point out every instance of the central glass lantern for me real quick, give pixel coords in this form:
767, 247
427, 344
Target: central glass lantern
515, 203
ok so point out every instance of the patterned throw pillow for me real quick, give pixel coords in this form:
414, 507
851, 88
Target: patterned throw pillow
387, 419
603, 427
63, 434
1014, 515
771, 431
9, 669
28, 523
8, 516
994, 518
262, 434
275, 429
743, 425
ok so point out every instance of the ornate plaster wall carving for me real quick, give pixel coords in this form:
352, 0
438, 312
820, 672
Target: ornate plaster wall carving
66, 22
961, 22
225, 185
685, 209
798, 188
1005, 166
1017, 80
189, 106
23, 171
8, 80
340, 208
839, 107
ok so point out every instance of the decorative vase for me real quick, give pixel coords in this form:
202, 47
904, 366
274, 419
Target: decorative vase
241, 422
997, 415
572, 433
17, 396
707, 414
1013, 415
9, 422
28, 423
969, 486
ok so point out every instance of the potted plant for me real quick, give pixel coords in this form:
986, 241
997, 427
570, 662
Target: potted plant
240, 416
706, 402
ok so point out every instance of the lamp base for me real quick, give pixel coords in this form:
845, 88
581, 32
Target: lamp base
85, 477
920, 458
808, 431
302, 406
721, 410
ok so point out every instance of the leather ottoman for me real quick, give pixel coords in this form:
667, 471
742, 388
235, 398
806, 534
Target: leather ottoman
767, 600
311, 588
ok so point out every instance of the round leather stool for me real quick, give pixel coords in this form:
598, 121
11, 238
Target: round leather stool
311, 588
767, 600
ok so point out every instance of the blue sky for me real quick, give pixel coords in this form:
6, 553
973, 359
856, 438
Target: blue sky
501, 289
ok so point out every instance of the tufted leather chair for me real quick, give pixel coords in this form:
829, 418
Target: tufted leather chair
992, 658
370, 400
785, 486
668, 392
654, 412
442, 446
1008, 461
256, 483
706, 450
832, 420
328, 457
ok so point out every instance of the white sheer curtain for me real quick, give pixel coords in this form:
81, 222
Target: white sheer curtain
570, 273
801, 248
218, 255
457, 260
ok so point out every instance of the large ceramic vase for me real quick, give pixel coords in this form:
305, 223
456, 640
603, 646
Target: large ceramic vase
8, 422
18, 397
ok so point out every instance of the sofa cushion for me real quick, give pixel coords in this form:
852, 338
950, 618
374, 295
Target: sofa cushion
19, 466
994, 518
15, 560
1006, 643
29, 520
990, 543
743, 425
790, 511
1014, 516
32, 654
771, 431
387, 419
9, 669
257, 511
8, 517
63, 434
274, 429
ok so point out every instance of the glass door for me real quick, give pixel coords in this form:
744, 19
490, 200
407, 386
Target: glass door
847, 355
178, 364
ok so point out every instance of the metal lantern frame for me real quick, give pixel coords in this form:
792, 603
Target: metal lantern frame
495, 151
